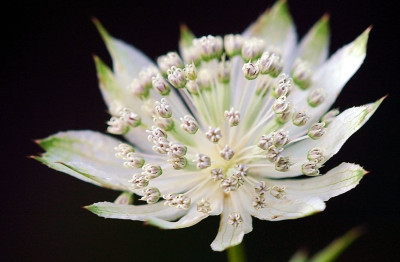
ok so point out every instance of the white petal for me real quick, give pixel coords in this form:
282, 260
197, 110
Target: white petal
229, 235
86, 155
131, 212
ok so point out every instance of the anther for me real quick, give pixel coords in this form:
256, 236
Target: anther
277, 191
160, 85
282, 164
283, 87
261, 188
177, 77
302, 74
169, 60
191, 72
233, 117
315, 154
233, 44
123, 150
178, 162
139, 89
259, 202
270, 63
177, 149
203, 206
281, 138
214, 134
235, 219
316, 97
252, 49
217, 174
151, 171
139, 181
163, 108
300, 118
317, 130
203, 161
133, 161
130, 118
330, 116
281, 105
224, 72
250, 71
189, 124
151, 195
226, 153
311, 168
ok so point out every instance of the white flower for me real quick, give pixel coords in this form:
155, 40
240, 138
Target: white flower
232, 145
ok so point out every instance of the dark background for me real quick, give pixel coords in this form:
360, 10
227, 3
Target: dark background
49, 83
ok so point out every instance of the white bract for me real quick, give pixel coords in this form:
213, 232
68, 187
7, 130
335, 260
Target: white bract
252, 117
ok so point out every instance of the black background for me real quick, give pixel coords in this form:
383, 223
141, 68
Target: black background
48, 83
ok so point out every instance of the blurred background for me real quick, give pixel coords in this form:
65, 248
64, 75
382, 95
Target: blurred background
49, 84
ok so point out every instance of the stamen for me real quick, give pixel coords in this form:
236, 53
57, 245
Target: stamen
282, 164
169, 60
151, 195
133, 161
259, 202
160, 85
300, 118
301, 73
151, 171
178, 162
191, 72
123, 150
138, 89
270, 63
261, 188
214, 134
277, 191
283, 87
163, 108
177, 77
317, 130
233, 117
177, 149
330, 116
189, 124
139, 181
203, 206
177, 200
203, 161
316, 97
252, 49
226, 153
216, 174
235, 219
250, 71
233, 44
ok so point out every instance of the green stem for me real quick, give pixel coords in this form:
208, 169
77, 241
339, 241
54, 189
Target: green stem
236, 253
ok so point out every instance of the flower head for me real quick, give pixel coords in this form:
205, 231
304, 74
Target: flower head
221, 128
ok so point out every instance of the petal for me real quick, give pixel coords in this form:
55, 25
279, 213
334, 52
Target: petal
332, 76
131, 212
127, 60
276, 27
229, 235
86, 155
314, 47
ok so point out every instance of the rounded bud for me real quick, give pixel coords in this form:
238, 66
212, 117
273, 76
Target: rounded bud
151, 195
161, 145
130, 118
139, 89
273, 153
281, 138
169, 60
210, 46
177, 77
310, 168
317, 130
315, 154
214, 134
265, 141
178, 162
233, 44
330, 116
316, 97
156, 133
270, 63
224, 72
191, 72
283, 87
165, 123
193, 87
301, 73
204, 79
189, 124
160, 85
203, 161
146, 75
226, 153
139, 181
151, 171
233, 117
133, 161
282, 164
252, 49
123, 150
250, 71
300, 118
163, 108
177, 149
217, 174
117, 126
281, 105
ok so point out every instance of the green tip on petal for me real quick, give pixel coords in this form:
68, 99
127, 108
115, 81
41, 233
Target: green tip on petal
103, 32
186, 36
359, 45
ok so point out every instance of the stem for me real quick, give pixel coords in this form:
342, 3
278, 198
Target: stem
236, 253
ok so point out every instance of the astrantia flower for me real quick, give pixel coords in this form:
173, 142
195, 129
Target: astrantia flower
221, 128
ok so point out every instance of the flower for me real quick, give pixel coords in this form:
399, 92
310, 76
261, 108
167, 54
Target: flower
221, 128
